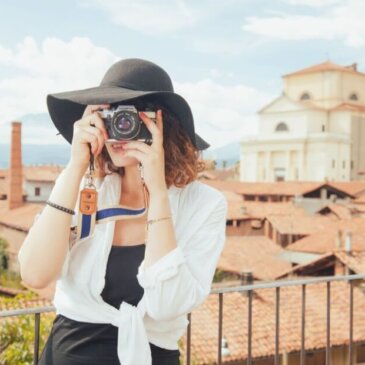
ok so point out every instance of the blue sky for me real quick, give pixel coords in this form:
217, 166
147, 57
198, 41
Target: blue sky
225, 57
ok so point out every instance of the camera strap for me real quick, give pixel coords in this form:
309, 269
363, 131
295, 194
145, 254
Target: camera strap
89, 215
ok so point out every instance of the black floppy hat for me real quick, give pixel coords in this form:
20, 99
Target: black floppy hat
125, 80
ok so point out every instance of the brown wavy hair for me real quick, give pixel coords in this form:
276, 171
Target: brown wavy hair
183, 161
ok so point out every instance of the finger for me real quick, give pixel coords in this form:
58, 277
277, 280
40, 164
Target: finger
89, 138
152, 127
92, 108
140, 156
138, 145
159, 121
96, 119
99, 134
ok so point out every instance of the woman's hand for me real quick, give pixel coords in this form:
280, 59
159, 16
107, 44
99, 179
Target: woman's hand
84, 134
152, 157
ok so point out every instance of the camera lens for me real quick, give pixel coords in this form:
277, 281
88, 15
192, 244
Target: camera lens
125, 124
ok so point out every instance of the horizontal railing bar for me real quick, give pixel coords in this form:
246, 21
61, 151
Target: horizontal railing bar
276, 284
266, 285
18, 312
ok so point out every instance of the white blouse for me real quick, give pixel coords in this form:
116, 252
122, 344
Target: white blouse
173, 286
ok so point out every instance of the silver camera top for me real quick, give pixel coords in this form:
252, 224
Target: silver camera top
105, 113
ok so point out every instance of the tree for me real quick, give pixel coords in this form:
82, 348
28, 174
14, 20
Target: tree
4, 257
17, 333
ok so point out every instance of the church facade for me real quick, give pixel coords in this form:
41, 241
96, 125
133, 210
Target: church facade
314, 131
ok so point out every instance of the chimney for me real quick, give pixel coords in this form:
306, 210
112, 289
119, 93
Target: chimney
15, 173
339, 239
333, 198
348, 242
246, 279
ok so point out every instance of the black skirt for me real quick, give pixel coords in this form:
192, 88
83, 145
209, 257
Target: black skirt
79, 343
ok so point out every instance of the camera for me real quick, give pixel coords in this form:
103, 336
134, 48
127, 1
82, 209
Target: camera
122, 123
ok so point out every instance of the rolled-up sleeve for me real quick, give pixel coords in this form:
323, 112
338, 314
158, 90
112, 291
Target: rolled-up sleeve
181, 280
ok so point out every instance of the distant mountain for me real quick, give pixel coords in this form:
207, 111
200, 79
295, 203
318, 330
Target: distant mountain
42, 145
229, 153
37, 154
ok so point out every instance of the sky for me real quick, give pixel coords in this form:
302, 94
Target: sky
226, 58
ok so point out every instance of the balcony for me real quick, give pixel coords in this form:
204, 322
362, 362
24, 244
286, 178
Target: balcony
288, 325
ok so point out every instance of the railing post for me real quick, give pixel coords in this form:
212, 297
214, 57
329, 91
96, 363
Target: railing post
351, 320
249, 342
37, 319
220, 328
328, 353
302, 347
188, 341
277, 319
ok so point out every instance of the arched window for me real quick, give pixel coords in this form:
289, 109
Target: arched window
305, 96
353, 97
281, 127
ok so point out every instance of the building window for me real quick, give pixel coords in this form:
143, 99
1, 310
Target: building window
333, 163
353, 97
352, 164
37, 191
281, 127
343, 164
305, 96
323, 128
279, 174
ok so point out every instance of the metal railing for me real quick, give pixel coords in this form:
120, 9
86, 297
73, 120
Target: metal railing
249, 288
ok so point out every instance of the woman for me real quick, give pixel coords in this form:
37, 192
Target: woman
123, 292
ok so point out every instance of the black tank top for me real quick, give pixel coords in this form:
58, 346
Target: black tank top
72, 342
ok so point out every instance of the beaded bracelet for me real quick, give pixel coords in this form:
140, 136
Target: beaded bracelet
70, 211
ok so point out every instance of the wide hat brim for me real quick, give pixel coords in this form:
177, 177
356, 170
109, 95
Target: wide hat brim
67, 107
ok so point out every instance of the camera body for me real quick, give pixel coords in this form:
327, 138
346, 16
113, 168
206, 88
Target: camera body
123, 123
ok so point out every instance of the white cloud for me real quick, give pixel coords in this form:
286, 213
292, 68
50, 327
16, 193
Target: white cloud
157, 17
223, 113
53, 66
313, 3
343, 22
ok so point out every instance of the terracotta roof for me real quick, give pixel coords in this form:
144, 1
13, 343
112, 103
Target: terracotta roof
253, 253
315, 263
4, 187
217, 174
231, 196
21, 217
360, 200
325, 240
350, 107
305, 225
340, 210
355, 261
325, 66
20, 303
4, 290
354, 187
286, 188
204, 321
46, 173
256, 209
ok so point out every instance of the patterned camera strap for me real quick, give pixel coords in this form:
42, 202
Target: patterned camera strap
86, 222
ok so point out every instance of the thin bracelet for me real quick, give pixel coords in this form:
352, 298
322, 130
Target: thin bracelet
69, 211
151, 221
